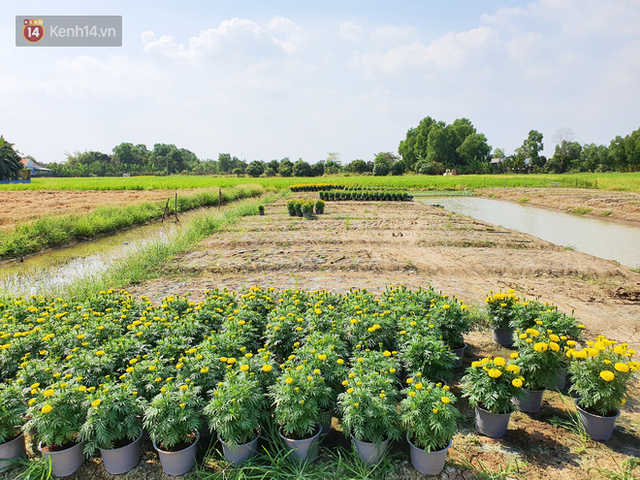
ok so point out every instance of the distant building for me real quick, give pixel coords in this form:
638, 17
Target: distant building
36, 169
496, 160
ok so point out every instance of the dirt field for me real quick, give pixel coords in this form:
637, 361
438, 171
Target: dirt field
24, 205
619, 206
371, 245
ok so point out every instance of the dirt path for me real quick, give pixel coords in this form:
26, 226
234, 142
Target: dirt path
620, 206
371, 245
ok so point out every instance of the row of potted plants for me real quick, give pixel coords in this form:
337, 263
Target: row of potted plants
369, 194
111, 360
304, 207
315, 187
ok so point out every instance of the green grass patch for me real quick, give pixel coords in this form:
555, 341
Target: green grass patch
48, 232
581, 210
629, 182
524, 200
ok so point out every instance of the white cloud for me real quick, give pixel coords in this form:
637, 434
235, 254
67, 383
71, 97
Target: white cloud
392, 34
351, 32
235, 36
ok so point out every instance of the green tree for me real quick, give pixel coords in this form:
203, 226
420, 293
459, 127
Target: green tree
10, 163
302, 169
473, 148
565, 157
531, 148
225, 163
255, 168
357, 166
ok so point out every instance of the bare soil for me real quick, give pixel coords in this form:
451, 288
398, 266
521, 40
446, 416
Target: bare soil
371, 245
619, 206
24, 205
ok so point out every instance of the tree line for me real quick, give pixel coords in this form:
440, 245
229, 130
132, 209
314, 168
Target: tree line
430, 148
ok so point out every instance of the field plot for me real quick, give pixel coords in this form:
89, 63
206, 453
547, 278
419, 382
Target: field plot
371, 245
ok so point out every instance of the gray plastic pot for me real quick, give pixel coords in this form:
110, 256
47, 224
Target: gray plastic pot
10, 451
599, 428
460, 354
560, 376
121, 460
236, 454
428, 463
531, 401
502, 336
305, 450
370, 453
180, 462
65, 462
492, 425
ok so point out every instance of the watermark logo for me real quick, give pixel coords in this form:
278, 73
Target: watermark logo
33, 30
69, 31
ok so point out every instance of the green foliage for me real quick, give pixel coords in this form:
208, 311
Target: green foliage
491, 383
319, 206
451, 319
174, 414
58, 412
114, 412
12, 410
236, 408
428, 415
428, 355
601, 374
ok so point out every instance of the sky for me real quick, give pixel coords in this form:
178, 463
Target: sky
265, 80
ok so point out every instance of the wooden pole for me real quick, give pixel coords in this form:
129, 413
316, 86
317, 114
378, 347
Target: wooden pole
175, 208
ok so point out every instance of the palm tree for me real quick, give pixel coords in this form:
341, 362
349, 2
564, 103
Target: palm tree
9, 161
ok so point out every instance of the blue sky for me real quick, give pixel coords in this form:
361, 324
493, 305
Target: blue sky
267, 79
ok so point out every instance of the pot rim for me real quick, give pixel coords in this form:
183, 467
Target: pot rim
388, 439
595, 414
318, 428
433, 451
492, 413
124, 446
241, 444
177, 451
13, 439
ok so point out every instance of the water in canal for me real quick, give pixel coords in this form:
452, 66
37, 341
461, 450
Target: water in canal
601, 238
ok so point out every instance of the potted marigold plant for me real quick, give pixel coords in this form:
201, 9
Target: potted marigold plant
368, 406
260, 209
451, 319
491, 384
173, 421
319, 207
291, 207
601, 373
539, 355
299, 396
502, 312
114, 426
430, 420
57, 414
12, 410
307, 208
236, 411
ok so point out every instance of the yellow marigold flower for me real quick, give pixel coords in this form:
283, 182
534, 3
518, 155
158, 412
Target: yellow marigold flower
599, 345
382, 395
516, 382
340, 361
485, 360
418, 386
607, 375
445, 399
163, 390
499, 361
244, 368
46, 409
409, 381
513, 369
476, 364
32, 401
96, 403
289, 380
514, 355
184, 387
623, 401
554, 338
495, 373
356, 404
581, 326
621, 367
360, 359
322, 356
350, 390
522, 336
412, 393
633, 365
129, 369
571, 343
231, 360
47, 393
82, 388
387, 353
435, 410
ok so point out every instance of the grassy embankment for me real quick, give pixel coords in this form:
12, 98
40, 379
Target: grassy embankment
604, 181
49, 232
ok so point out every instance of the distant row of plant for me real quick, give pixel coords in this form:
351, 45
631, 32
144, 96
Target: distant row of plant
315, 187
302, 207
365, 194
